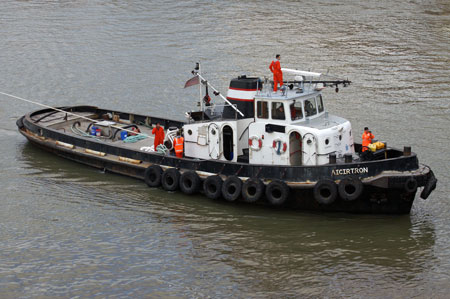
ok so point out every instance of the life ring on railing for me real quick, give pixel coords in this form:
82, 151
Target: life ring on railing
255, 143
279, 146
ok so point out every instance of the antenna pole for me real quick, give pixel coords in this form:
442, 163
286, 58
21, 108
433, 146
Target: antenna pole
199, 71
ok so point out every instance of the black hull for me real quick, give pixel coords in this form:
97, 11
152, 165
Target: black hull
382, 194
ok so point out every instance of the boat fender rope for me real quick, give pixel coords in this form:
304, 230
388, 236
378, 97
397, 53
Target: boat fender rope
135, 138
162, 149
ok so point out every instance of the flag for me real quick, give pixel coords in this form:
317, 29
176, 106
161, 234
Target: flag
192, 81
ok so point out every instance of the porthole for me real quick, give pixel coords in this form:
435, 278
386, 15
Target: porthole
190, 132
213, 132
340, 137
327, 141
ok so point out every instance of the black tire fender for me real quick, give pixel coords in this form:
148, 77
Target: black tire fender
410, 185
252, 190
152, 176
19, 122
350, 188
190, 182
277, 192
170, 179
212, 187
325, 191
231, 188
429, 186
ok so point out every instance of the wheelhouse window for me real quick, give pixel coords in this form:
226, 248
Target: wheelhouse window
296, 110
262, 109
319, 103
278, 110
310, 107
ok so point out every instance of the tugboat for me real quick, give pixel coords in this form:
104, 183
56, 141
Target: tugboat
283, 149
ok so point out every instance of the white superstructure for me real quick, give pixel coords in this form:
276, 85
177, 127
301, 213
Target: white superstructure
291, 127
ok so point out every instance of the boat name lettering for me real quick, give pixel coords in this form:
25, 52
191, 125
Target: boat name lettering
350, 171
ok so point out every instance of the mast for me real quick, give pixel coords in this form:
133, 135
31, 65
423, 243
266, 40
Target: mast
198, 71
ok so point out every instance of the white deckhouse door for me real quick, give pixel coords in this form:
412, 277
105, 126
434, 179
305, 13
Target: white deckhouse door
309, 149
214, 141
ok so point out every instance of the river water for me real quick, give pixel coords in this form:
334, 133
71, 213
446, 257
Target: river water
67, 230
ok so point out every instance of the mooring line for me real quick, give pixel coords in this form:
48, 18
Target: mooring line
70, 113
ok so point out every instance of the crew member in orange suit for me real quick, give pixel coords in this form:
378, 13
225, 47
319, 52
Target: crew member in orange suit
158, 131
367, 138
179, 145
275, 68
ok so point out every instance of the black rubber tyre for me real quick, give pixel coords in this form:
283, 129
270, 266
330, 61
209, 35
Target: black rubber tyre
19, 122
350, 188
190, 182
212, 187
252, 190
410, 185
429, 186
325, 192
152, 176
231, 188
277, 192
170, 179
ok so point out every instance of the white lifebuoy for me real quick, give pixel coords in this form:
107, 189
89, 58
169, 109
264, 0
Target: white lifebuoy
279, 146
255, 143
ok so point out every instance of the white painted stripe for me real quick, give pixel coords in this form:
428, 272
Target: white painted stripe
240, 94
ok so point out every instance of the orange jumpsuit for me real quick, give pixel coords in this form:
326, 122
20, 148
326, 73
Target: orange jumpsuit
275, 68
159, 136
366, 140
178, 145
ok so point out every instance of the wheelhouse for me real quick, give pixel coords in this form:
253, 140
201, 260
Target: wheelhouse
290, 109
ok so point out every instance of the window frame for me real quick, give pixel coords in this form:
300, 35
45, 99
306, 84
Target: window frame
274, 109
319, 99
262, 105
292, 105
315, 106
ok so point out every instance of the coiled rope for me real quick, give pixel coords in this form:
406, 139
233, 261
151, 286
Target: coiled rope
136, 138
